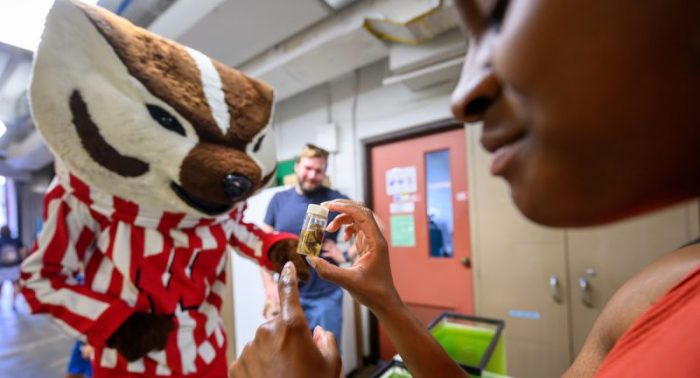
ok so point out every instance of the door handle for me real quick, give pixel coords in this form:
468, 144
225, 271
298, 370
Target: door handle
466, 261
585, 291
554, 288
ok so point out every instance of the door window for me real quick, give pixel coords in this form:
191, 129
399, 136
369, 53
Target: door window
439, 203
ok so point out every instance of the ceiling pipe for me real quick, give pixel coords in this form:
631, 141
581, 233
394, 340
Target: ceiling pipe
182, 16
337, 5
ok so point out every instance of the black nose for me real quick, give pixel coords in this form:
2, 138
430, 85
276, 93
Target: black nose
236, 186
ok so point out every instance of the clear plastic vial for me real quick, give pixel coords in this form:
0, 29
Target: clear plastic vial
311, 236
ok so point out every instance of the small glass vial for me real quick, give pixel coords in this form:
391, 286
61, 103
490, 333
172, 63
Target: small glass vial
311, 236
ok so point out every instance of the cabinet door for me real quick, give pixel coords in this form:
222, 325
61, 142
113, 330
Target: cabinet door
603, 258
519, 275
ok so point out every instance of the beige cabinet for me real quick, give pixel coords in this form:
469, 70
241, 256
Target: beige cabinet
597, 268
550, 284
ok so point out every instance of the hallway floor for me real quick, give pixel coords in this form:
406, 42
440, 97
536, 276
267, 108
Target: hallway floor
30, 345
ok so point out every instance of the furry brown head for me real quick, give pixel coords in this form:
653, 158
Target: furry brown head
147, 119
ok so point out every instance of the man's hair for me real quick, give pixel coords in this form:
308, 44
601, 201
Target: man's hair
313, 151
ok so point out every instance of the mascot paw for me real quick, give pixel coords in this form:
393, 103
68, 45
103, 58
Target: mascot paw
286, 250
140, 334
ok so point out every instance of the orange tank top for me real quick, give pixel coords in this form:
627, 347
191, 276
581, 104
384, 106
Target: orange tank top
665, 340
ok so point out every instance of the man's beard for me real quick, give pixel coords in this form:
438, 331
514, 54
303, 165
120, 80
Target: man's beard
305, 191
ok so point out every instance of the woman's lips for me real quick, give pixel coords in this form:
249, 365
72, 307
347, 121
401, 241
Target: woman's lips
504, 155
503, 148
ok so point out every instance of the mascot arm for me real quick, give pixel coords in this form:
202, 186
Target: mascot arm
254, 243
47, 275
269, 250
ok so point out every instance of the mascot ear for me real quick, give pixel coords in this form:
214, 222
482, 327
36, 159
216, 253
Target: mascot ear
70, 45
72, 55
75, 62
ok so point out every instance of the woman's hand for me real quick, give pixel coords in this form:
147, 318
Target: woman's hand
369, 279
330, 250
284, 347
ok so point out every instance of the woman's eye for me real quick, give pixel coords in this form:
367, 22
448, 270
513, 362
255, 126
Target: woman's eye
165, 119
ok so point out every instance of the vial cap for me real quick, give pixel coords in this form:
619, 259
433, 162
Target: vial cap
317, 210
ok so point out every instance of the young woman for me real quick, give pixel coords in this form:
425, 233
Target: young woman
590, 111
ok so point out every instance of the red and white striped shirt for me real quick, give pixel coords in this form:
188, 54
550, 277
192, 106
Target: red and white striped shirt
137, 259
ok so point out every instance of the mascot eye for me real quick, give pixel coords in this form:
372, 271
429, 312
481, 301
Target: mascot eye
165, 119
258, 144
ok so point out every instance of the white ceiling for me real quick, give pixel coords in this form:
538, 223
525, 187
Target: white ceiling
140, 12
237, 30
251, 34
251, 25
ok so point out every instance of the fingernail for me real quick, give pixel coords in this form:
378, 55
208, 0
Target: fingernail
324, 203
287, 270
311, 262
286, 274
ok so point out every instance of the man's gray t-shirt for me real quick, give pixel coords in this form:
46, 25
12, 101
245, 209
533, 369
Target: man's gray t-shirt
286, 213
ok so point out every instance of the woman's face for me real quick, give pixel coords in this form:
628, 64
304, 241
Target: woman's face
591, 108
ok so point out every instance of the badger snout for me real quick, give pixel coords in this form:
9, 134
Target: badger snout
213, 177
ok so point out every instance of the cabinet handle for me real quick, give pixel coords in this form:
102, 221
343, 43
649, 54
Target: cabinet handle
554, 288
585, 291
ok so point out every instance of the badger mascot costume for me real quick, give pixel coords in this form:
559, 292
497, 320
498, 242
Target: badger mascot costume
157, 146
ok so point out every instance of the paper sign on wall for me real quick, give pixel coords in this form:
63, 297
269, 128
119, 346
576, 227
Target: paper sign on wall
403, 231
401, 180
402, 207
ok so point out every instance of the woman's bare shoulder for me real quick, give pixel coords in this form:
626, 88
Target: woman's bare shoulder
629, 302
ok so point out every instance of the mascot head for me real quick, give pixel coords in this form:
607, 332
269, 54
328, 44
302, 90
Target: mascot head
146, 119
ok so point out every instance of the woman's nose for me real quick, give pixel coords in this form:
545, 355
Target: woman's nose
475, 93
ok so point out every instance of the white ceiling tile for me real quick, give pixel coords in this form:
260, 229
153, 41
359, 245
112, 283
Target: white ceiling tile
240, 29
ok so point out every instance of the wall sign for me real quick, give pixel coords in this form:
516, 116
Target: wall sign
403, 231
401, 180
402, 207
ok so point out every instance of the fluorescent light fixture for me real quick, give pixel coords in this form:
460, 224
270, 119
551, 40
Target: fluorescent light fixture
21, 22
338, 4
419, 29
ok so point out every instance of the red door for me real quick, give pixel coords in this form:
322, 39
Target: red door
419, 191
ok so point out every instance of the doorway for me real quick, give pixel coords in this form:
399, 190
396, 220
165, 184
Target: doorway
418, 189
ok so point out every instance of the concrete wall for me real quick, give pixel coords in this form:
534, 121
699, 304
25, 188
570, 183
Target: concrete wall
30, 203
360, 108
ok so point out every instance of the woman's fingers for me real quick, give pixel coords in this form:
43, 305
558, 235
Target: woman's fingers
325, 341
363, 218
349, 232
290, 306
330, 272
338, 221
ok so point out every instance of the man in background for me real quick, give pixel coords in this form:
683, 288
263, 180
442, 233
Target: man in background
321, 300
